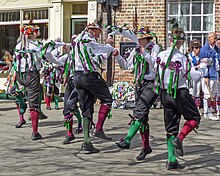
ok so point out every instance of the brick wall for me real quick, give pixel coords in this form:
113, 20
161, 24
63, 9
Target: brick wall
151, 13
217, 16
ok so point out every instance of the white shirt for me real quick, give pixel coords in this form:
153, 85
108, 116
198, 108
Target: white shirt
128, 64
97, 52
177, 56
30, 57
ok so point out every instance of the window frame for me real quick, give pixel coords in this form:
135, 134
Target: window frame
77, 18
190, 33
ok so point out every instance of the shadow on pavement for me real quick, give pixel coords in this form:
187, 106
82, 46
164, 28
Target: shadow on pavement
7, 109
201, 149
210, 162
51, 123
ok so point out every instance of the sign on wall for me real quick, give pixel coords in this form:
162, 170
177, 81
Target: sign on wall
126, 47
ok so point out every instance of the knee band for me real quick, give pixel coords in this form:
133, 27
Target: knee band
197, 101
209, 103
218, 101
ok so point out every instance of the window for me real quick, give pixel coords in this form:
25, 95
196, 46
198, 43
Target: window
195, 17
10, 23
78, 25
8, 38
80, 9
79, 17
43, 30
35, 14
9, 16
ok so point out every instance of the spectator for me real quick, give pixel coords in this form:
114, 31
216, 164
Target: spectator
208, 54
194, 57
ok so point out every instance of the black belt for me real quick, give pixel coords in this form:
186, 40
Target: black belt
145, 80
87, 73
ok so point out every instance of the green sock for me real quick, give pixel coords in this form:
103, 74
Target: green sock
135, 126
56, 100
170, 148
86, 126
23, 105
78, 116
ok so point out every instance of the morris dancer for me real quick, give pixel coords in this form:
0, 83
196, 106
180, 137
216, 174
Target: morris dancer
52, 79
88, 55
141, 60
174, 69
70, 96
27, 65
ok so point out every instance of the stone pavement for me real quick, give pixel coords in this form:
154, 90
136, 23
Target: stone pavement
21, 156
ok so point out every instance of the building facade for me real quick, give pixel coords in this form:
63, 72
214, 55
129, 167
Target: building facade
62, 18
196, 17
56, 18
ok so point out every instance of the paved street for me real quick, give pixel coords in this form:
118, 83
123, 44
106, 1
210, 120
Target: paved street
21, 156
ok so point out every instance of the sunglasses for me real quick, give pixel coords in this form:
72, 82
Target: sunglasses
196, 47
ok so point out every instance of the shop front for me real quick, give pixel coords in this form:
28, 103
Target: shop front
56, 18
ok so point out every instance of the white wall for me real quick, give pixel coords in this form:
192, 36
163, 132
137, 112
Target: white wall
5, 4
56, 21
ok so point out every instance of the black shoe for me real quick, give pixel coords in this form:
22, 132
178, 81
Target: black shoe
79, 129
123, 144
174, 166
101, 134
178, 150
48, 108
68, 139
89, 147
42, 116
57, 108
36, 136
143, 153
19, 125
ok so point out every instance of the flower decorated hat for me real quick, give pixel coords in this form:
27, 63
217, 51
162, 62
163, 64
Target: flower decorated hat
30, 29
144, 33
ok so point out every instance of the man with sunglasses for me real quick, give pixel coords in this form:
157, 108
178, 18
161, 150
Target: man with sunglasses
209, 56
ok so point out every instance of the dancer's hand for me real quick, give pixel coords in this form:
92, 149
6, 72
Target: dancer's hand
141, 49
66, 48
115, 53
110, 40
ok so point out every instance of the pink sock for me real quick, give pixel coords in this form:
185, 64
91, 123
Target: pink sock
103, 112
70, 131
34, 120
145, 139
47, 99
187, 128
20, 115
69, 116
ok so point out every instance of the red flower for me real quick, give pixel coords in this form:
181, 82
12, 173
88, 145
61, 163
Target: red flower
22, 30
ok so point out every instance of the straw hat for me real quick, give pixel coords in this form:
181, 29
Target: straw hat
95, 25
178, 33
144, 33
